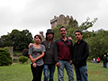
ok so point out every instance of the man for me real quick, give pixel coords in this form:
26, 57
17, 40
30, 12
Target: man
105, 61
64, 48
81, 52
50, 57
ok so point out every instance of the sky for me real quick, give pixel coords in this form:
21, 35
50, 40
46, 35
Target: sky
35, 15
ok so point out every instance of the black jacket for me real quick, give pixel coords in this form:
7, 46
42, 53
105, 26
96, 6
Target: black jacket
104, 59
81, 52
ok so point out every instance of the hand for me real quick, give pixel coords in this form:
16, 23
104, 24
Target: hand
33, 60
34, 65
58, 64
30, 45
71, 61
69, 38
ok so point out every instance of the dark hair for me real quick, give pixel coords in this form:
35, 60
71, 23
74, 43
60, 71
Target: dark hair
38, 36
63, 27
79, 31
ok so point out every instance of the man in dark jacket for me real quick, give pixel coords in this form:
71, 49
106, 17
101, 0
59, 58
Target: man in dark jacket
81, 52
105, 61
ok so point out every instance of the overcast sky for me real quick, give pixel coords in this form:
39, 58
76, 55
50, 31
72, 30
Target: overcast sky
35, 15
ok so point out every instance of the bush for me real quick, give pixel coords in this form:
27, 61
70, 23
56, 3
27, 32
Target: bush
25, 52
5, 57
23, 59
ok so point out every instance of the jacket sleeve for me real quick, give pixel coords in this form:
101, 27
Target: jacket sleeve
86, 52
55, 53
71, 50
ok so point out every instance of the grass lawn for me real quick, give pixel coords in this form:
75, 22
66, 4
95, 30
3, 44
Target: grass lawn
22, 72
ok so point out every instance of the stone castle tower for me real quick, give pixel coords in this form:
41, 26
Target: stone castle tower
60, 20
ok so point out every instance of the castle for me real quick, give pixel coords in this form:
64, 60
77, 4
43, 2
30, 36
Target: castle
57, 20
60, 20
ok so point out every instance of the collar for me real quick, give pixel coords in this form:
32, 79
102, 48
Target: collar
67, 40
80, 41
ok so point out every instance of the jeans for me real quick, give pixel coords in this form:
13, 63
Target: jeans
69, 69
50, 68
36, 72
105, 64
81, 73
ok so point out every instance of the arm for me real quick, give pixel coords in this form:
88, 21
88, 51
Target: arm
30, 45
42, 55
86, 52
56, 55
71, 52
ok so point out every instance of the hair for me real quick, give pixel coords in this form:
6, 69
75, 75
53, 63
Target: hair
38, 36
63, 27
79, 31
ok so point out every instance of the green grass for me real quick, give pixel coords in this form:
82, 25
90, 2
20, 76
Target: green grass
22, 72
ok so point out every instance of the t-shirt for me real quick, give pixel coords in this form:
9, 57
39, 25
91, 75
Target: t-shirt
36, 52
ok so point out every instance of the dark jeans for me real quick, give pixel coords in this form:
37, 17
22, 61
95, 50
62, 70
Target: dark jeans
105, 64
49, 68
81, 73
37, 72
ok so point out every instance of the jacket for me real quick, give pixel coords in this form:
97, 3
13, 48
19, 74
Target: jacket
81, 52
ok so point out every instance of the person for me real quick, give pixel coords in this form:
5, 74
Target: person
64, 48
105, 61
81, 52
50, 57
98, 60
36, 54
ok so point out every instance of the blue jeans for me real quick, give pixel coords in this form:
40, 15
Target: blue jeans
105, 64
47, 68
69, 69
81, 73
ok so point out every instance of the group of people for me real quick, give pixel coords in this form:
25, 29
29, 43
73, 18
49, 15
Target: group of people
96, 60
61, 53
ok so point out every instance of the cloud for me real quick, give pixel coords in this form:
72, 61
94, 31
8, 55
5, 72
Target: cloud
35, 15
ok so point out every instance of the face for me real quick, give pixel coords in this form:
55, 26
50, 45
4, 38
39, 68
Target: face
50, 36
37, 40
63, 32
78, 35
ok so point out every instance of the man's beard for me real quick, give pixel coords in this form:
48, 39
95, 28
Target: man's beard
50, 38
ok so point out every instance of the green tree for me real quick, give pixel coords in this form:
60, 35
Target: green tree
98, 44
18, 39
5, 57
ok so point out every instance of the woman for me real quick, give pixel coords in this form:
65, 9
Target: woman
36, 52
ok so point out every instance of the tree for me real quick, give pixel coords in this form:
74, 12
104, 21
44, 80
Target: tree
98, 44
5, 57
18, 39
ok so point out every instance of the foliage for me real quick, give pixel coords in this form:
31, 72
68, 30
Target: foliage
25, 52
5, 57
18, 39
98, 44
17, 53
23, 59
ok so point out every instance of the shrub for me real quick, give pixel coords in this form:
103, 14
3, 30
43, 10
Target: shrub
5, 57
25, 52
23, 59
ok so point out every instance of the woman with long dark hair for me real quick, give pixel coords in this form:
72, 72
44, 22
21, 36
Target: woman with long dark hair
36, 54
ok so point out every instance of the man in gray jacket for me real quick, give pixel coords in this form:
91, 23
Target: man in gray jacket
50, 57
